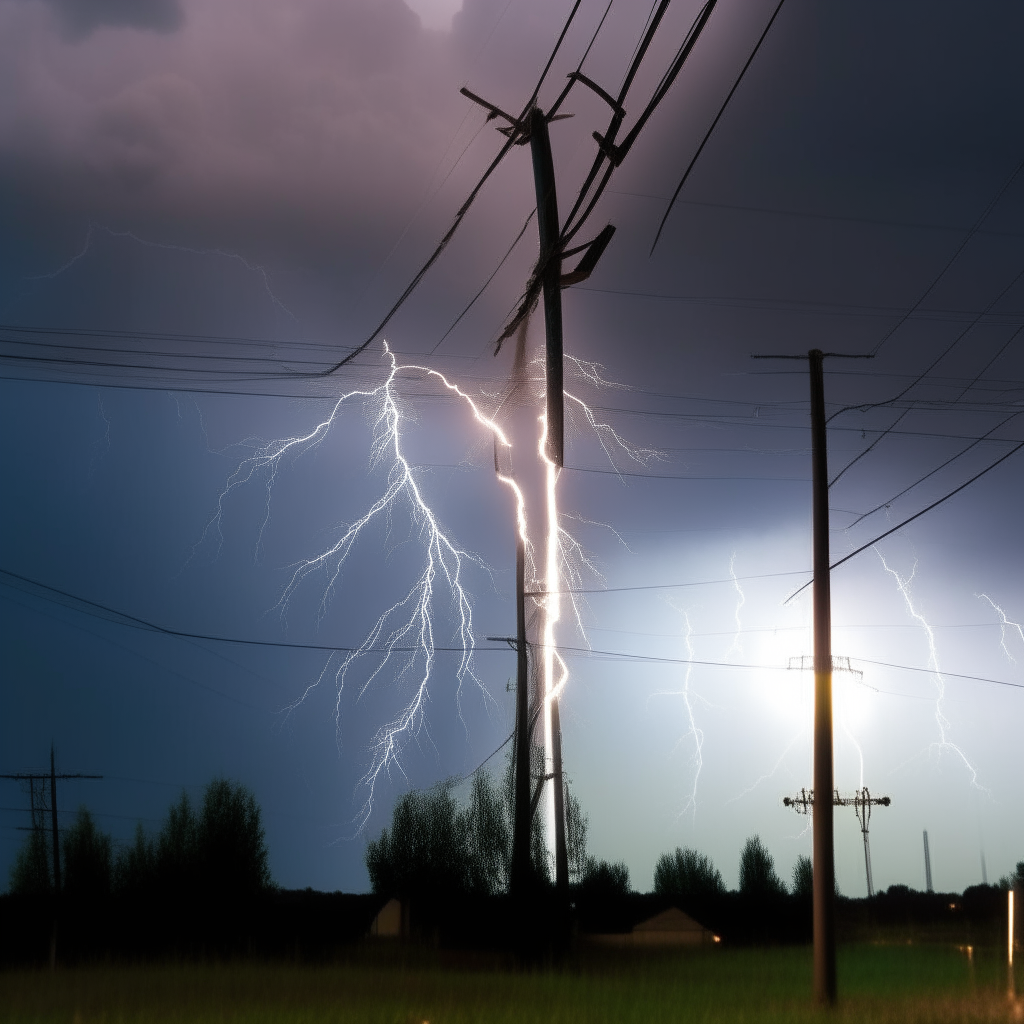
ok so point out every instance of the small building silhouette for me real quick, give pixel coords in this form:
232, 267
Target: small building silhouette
671, 927
391, 922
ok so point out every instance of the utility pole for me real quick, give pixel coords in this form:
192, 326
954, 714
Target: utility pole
862, 801
53, 818
548, 281
521, 835
823, 837
550, 271
549, 268
32, 778
561, 858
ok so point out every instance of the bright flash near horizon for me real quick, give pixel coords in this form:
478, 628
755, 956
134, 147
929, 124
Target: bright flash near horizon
405, 632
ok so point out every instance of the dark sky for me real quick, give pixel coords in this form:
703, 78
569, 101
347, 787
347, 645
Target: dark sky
187, 185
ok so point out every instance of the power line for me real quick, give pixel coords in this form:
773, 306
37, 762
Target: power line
714, 123
931, 473
463, 209
917, 515
564, 649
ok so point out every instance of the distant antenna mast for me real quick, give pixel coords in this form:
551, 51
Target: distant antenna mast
927, 865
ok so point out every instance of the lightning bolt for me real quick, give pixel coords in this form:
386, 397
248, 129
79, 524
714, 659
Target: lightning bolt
697, 759
1004, 623
767, 775
944, 743
255, 268
735, 646
404, 634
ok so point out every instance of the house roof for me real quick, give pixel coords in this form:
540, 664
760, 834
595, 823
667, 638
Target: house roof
671, 920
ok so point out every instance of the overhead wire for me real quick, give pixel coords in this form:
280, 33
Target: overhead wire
917, 515
460, 215
714, 123
571, 651
931, 473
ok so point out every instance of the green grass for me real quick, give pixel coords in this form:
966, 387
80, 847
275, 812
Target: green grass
877, 983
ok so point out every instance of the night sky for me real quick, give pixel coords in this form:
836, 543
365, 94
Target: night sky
200, 202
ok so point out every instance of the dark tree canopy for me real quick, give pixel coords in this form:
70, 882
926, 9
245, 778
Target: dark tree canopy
1015, 879
135, 865
435, 845
230, 842
803, 878
216, 851
87, 861
757, 871
31, 873
602, 879
576, 827
687, 874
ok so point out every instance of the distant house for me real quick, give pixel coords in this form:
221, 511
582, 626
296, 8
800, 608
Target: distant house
669, 928
391, 922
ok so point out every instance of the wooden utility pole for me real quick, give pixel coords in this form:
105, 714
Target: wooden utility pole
823, 838
32, 778
532, 127
561, 859
822, 831
521, 836
550, 269
53, 819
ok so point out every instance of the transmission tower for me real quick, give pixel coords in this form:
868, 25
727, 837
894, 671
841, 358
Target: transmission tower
861, 801
927, 865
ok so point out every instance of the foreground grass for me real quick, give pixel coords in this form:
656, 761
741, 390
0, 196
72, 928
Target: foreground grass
878, 983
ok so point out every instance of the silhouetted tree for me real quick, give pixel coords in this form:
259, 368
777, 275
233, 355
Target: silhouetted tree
1015, 879
31, 871
176, 852
135, 865
231, 850
87, 866
436, 846
220, 850
576, 827
757, 871
602, 879
803, 878
687, 874
425, 849
489, 837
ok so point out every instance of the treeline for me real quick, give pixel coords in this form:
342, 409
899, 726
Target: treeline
435, 845
689, 874
217, 847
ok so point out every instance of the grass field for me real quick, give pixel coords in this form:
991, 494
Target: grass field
877, 983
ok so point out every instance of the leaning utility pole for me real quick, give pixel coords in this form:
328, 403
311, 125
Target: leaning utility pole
521, 837
549, 269
533, 128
